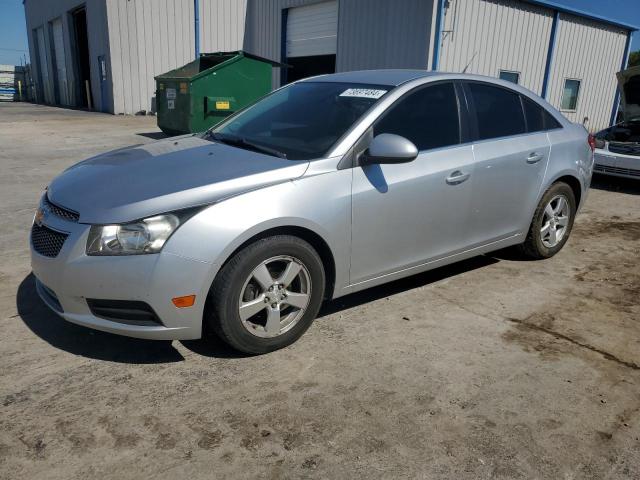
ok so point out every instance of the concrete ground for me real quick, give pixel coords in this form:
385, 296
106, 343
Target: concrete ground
492, 368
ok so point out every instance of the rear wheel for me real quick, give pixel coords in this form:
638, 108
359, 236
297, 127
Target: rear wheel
267, 295
552, 222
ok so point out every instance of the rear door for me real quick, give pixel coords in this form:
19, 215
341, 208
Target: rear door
510, 162
405, 215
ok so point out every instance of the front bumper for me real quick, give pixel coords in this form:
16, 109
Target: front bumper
616, 164
66, 282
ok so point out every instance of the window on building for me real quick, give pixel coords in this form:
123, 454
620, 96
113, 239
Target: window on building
513, 77
428, 117
570, 94
499, 111
538, 119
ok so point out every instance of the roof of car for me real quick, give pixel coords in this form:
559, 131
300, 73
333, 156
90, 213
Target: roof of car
388, 77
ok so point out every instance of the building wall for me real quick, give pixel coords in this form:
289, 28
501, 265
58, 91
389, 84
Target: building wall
371, 33
147, 38
591, 52
151, 37
222, 25
486, 36
40, 12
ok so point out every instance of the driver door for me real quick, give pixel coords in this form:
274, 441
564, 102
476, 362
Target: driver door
405, 215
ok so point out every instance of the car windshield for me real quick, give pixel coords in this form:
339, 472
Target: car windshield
301, 121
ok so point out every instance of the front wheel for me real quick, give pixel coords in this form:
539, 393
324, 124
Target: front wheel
267, 295
552, 222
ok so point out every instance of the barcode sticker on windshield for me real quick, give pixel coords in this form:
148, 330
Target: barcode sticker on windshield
363, 93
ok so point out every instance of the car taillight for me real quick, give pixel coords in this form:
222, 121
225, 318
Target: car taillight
592, 142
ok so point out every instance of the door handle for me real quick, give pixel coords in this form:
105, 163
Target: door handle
534, 158
457, 177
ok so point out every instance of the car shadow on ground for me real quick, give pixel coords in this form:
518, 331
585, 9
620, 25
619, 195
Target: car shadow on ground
405, 284
616, 184
154, 135
83, 341
99, 345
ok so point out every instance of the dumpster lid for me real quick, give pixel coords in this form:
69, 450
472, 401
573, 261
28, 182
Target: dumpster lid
207, 61
245, 54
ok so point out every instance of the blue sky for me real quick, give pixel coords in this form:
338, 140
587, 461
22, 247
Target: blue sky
13, 33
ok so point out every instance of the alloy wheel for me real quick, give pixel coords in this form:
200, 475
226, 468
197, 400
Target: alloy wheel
275, 296
555, 221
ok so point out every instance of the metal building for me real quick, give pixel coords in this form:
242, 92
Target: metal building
115, 47
103, 54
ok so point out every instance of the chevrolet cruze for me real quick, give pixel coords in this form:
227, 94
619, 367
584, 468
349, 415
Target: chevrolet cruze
324, 187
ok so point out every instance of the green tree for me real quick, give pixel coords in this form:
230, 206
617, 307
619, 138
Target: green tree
634, 59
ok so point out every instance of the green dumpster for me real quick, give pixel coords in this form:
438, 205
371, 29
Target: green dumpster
202, 93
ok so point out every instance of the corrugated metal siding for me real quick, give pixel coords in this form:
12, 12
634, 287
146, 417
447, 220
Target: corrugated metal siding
591, 52
147, 38
263, 27
222, 25
383, 34
486, 36
151, 37
371, 33
39, 13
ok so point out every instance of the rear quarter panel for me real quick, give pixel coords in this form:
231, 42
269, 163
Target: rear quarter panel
570, 156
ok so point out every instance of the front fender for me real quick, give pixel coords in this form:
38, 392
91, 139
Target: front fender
319, 203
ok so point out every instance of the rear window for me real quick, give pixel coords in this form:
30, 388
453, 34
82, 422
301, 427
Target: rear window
499, 111
538, 119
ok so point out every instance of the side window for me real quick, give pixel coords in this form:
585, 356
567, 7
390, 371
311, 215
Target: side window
427, 117
538, 119
513, 77
570, 94
498, 110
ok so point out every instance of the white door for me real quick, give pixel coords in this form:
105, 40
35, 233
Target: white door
61, 61
44, 67
312, 30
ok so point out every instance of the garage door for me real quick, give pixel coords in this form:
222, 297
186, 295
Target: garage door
312, 30
44, 69
61, 67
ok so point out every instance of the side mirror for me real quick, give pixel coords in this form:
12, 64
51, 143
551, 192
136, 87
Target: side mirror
389, 148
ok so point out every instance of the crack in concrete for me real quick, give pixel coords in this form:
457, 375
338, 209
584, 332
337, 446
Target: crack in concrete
560, 336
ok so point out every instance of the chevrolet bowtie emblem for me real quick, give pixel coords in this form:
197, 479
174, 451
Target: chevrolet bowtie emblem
39, 217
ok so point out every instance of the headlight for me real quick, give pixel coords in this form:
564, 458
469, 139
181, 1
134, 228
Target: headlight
135, 238
599, 142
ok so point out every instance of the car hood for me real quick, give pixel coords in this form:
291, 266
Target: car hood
629, 84
141, 181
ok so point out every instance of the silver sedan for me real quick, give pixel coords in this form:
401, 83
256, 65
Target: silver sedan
325, 187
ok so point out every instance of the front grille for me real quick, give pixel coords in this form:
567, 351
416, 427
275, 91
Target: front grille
620, 171
47, 242
131, 312
60, 211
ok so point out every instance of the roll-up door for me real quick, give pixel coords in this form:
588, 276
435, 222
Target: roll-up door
311, 39
61, 66
44, 67
312, 30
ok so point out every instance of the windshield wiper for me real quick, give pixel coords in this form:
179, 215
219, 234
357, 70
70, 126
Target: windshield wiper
244, 143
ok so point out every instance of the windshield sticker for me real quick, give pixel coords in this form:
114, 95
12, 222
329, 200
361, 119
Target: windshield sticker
363, 93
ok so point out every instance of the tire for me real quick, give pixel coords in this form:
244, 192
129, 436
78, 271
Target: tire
241, 284
538, 244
